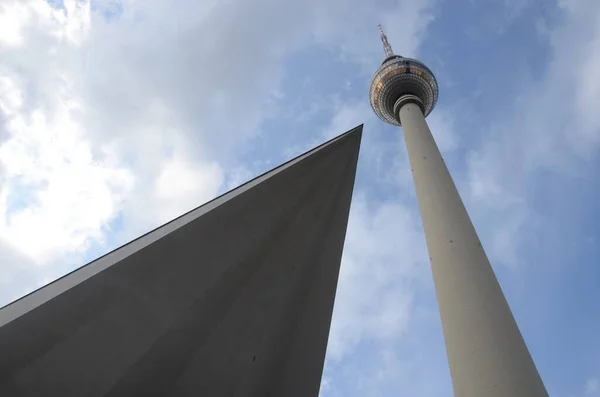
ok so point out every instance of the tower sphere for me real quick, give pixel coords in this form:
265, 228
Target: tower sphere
400, 80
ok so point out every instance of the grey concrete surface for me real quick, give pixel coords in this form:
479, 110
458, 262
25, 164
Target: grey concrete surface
232, 299
486, 352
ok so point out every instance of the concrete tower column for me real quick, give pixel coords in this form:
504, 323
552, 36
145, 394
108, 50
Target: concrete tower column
486, 352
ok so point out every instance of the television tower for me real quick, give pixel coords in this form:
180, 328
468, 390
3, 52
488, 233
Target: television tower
486, 351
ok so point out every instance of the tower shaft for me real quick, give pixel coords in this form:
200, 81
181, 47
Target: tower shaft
486, 351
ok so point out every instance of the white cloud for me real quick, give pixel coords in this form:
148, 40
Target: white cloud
11, 97
15, 273
56, 194
134, 116
12, 19
347, 115
441, 122
71, 24
354, 27
551, 126
496, 201
181, 185
238, 176
374, 299
591, 387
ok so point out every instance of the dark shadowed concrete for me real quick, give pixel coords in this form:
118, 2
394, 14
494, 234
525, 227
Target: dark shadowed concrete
232, 299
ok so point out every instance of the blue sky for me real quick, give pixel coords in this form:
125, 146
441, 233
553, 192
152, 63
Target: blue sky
117, 116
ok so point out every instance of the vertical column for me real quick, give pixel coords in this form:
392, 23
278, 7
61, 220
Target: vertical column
486, 352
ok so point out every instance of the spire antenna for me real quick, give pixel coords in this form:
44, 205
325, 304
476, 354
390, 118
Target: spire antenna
386, 45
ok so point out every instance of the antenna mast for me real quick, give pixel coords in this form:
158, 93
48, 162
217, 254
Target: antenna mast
386, 45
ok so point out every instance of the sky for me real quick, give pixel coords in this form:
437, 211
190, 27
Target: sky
118, 115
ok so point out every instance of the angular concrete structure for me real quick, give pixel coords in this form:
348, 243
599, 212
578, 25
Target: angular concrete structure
231, 299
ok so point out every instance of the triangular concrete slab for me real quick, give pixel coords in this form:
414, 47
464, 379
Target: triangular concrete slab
231, 299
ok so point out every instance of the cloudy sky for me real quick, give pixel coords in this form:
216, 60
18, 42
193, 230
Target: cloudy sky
118, 115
